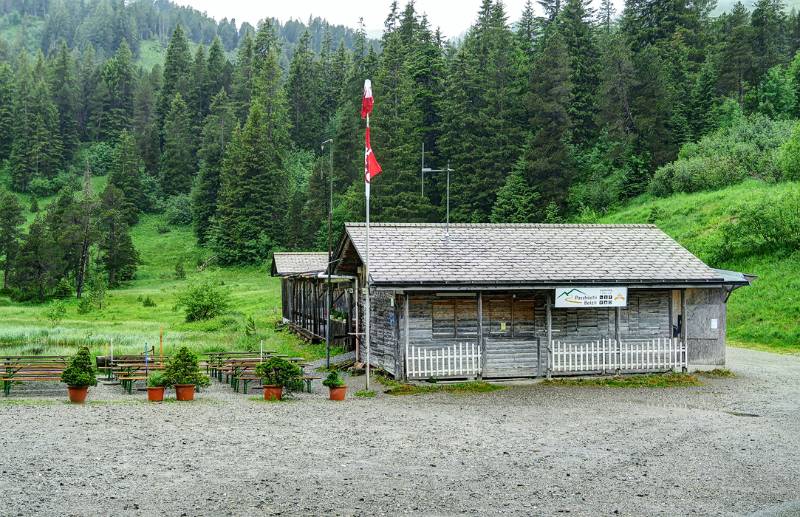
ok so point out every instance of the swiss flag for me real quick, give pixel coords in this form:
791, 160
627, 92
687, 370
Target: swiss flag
367, 102
371, 166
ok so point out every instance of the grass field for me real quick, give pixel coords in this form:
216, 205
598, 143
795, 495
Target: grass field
765, 315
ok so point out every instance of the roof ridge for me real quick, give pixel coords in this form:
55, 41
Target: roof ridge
300, 253
502, 225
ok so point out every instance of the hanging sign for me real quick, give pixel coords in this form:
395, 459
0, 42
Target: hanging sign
591, 297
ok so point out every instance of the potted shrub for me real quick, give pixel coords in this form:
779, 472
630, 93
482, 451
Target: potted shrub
79, 375
156, 384
183, 372
336, 386
278, 374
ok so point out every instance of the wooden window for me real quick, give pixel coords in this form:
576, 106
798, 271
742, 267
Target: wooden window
454, 318
524, 318
499, 320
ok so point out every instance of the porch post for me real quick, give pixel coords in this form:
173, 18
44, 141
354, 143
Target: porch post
617, 319
684, 325
357, 300
406, 336
548, 306
481, 342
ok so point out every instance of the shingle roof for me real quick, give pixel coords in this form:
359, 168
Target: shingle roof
285, 264
498, 254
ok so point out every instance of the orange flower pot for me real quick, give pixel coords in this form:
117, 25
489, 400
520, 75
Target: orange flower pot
273, 392
155, 394
338, 392
184, 391
77, 394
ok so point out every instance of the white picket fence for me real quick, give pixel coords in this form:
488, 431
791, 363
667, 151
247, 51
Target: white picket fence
608, 355
456, 360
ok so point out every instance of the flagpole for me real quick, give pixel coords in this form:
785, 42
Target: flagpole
366, 264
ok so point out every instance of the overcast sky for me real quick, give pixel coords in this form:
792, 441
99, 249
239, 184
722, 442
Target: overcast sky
453, 16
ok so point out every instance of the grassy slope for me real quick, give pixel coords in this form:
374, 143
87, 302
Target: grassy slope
765, 315
26, 329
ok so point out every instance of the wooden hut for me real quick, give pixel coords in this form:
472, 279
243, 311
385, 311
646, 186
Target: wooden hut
526, 300
304, 287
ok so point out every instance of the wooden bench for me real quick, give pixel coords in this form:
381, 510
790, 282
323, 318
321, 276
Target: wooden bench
30, 369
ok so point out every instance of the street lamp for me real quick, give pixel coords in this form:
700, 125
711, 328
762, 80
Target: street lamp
329, 301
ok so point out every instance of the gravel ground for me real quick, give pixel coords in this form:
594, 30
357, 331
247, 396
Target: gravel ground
731, 447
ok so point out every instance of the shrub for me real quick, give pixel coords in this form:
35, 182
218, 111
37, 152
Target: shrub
79, 373
99, 156
277, 371
204, 301
334, 380
41, 187
34, 205
63, 289
178, 210
157, 380
250, 327
56, 312
180, 272
789, 155
148, 302
162, 228
184, 368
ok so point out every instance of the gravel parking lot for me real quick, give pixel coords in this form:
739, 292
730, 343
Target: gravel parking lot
731, 447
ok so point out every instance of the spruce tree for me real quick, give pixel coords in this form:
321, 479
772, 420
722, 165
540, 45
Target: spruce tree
145, 122
197, 101
11, 220
63, 86
176, 77
251, 211
770, 44
776, 94
35, 272
516, 201
216, 74
118, 256
216, 136
126, 175
117, 94
242, 85
6, 110
304, 95
736, 61
177, 160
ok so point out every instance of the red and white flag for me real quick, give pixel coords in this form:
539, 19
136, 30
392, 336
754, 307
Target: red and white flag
367, 102
371, 166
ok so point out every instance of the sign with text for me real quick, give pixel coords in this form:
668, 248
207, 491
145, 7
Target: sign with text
591, 297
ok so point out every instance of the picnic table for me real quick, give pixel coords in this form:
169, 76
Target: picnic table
129, 372
30, 368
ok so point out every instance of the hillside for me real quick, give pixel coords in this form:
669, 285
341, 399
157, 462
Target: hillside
763, 315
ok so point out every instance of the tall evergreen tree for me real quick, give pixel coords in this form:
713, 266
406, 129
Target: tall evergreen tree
242, 87
145, 122
303, 90
11, 220
217, 132
177, 161
117, 95
216, 75
176, 78
736, 60
118, 256
197, 101
6, 110
769, 35
63, 86
35, 272
126, 175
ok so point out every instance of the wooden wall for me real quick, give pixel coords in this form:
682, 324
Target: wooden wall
705, 343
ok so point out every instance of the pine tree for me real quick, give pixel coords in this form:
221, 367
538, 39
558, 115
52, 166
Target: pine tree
528, 30
63, 86
547, 166
11, 221
35, 271
116, 96
254, 191
242, 87
703, 99
177, 160
197, 101
145, 123
216, 74
776, 94
303, 89
88, 211
6, 110
217, 132
768, 21
606, 15
176, 77
118, 256
516, 201
736, 60
126, 175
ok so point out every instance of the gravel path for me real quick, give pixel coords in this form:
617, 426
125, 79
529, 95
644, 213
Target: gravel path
731, 447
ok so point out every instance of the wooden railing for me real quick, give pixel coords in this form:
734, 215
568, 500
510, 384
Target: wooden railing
611, 356
456, 360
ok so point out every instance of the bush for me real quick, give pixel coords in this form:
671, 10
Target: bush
63, 289
204, 301
40, 187
746, 149
765, 226
789, 155
99, 156
157, 380
178, 210
56, 312
277, 371
79, 373
148, 302
180, 272
184, 368
334, 380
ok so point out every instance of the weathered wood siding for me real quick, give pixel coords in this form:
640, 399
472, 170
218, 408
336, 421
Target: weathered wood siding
384, 338
705, 310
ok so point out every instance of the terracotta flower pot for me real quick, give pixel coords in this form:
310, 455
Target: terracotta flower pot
77, 394
184, 391
155, 394
337, 392
273, 392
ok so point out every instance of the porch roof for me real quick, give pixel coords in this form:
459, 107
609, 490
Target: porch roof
298, 263
522, 254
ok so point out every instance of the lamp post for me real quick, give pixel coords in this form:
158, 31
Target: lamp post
448, 170
329, 301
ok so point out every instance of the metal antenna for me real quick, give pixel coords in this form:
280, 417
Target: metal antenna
448, 170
